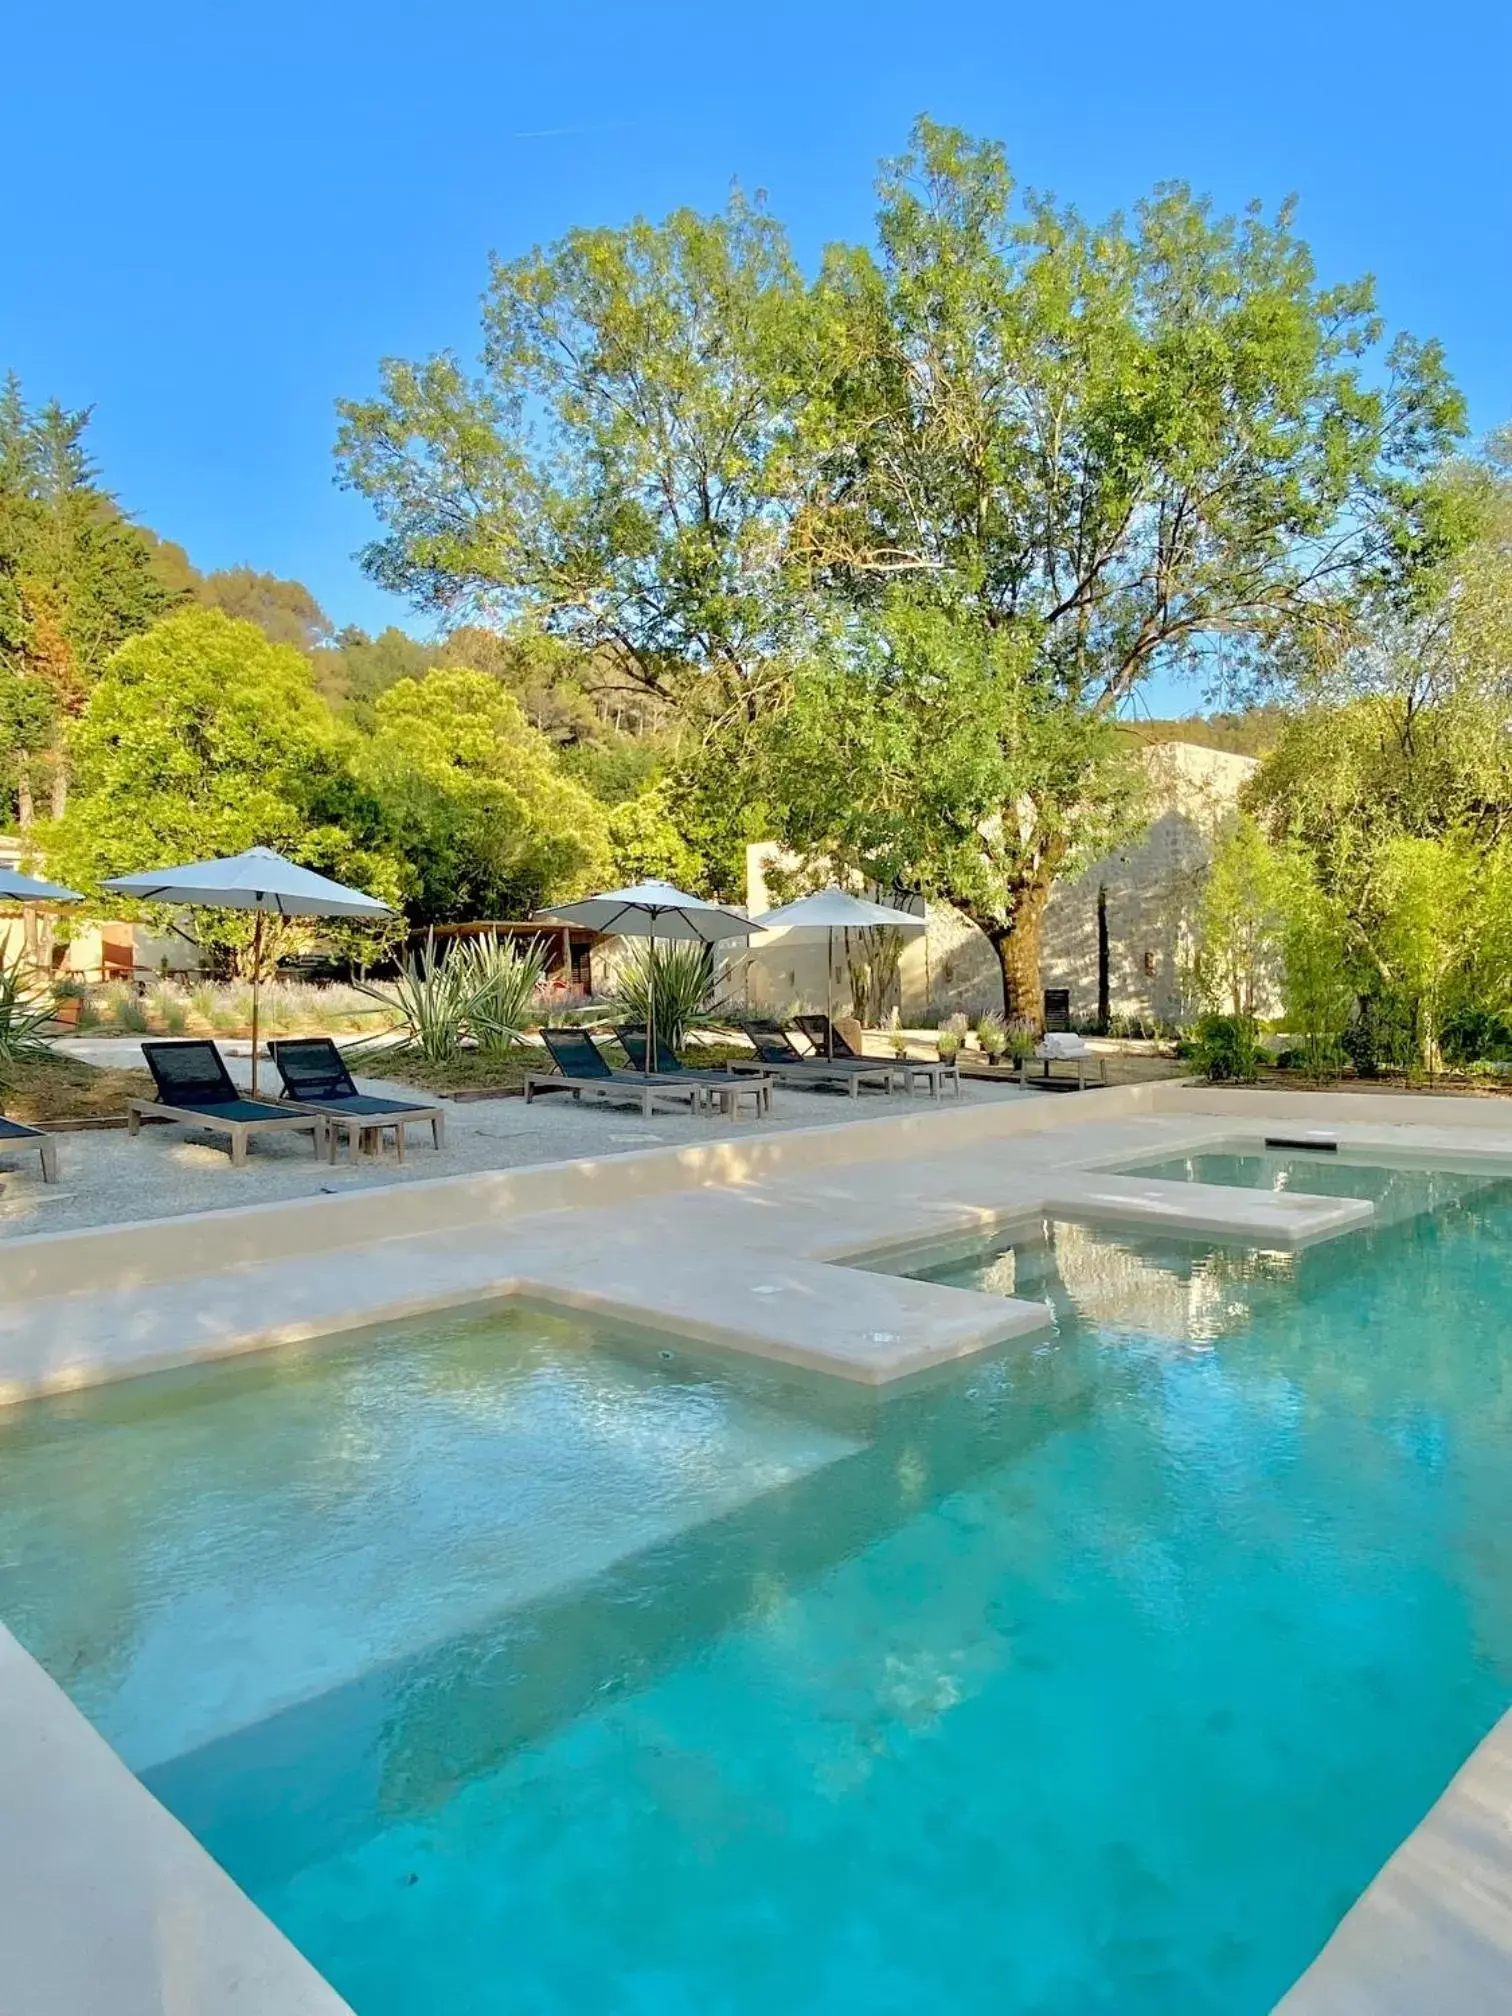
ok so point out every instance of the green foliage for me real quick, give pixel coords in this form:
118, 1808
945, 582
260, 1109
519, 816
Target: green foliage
285, 611
475, 801
1478, 1035
992, 1036
621, 470
76, 579
950, 504
679, 978
1318, 975
502, 979
429, 1003
1242, 920
646, 842
27, 1011
1226, 1049
202, 739
951, 1038
354, 669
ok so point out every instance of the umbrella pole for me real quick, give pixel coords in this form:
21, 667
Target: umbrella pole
256, 975
651, 1000
829, 994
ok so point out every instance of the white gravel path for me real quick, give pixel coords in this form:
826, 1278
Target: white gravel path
107, 1178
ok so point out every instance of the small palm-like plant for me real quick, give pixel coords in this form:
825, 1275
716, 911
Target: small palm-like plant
686, 990
502, 981
27, 1011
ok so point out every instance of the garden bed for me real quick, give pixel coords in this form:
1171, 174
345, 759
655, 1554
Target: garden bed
65, 1092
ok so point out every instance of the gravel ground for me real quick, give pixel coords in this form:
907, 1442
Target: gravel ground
107, 1178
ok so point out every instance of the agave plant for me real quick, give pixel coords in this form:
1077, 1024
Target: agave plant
503, 981
431, 1001
27, 1010
686, 990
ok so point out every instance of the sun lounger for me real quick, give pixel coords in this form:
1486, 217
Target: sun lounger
15, 1134
828, 1042
195, 1088
722, 1087
315, 1076
582, 1067
777, 1056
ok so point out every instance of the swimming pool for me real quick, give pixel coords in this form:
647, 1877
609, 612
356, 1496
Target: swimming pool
1396, 1189
508, 1666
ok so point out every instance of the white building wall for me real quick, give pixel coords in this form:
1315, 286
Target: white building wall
1152, 891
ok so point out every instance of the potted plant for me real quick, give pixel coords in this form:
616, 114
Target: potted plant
897, 1035
992, 1037
69, 996
952, 1035
1021, 1040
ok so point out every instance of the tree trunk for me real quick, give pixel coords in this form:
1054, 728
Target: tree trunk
24, 812
1017, 945
59, 784
1104, 961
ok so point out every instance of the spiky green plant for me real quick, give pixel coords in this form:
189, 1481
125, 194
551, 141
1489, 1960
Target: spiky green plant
686, 989
502, 979
27, 1010
431, 1001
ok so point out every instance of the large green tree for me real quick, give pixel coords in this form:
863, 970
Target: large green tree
76, 579
203, 738
478, 802
1153, 441
1046, 455
1393, 776
621, 471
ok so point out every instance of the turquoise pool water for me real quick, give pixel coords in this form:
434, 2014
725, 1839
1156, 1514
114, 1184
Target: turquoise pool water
1396, 1190
1097, 1677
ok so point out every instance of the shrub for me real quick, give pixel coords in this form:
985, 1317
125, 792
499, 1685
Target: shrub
1022, 1039
167, 1008
686, 989
430, 1002
503, 981
26, 1010
1478, 1035
992, 1035
952, 1035
1226, 1049
1380, 1037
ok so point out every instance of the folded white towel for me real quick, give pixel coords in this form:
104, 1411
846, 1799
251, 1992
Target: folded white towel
1062, 1043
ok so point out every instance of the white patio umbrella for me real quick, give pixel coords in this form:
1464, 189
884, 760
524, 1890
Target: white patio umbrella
18, 888
654, 910
833, 910
260, 881
27, 889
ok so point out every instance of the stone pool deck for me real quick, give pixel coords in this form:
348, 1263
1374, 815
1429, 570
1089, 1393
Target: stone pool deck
746, 1243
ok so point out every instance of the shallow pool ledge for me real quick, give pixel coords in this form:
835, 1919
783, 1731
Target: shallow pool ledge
1434, 1930
108, 1907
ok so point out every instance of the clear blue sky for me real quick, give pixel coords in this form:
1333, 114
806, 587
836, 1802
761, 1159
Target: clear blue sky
221, 217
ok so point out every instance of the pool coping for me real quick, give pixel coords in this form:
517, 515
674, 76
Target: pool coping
108, 1905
